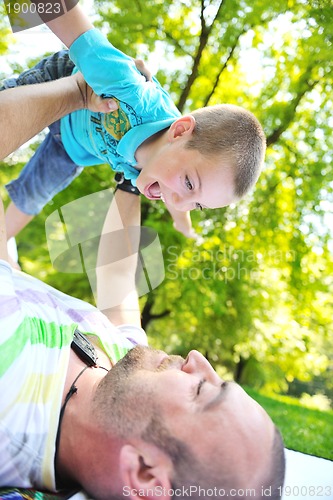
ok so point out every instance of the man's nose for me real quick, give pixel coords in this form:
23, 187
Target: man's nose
196, 363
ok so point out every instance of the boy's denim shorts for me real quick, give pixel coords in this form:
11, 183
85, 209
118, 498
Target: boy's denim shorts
50, 169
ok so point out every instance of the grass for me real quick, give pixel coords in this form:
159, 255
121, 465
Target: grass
303, 429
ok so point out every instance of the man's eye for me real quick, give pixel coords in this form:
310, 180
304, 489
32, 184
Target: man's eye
200, 386
188, 184
196, 389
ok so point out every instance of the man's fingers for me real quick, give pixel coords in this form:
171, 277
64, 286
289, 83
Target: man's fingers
112, 105
99, 104
106, 105
92, 101
141, 66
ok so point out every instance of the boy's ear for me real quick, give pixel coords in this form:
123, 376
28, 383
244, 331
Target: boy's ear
145, 471
183, 126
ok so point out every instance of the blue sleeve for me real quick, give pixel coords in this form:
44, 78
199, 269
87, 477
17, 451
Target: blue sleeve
106, 69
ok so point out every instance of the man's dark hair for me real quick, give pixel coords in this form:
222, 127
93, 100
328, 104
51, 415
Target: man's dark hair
189, 472
275, 477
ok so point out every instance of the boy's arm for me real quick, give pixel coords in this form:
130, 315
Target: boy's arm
41, 104
107, 70
117, 260
71, 25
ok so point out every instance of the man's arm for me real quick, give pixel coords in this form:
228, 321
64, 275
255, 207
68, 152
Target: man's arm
3, 234
117, 260
41, 104
37, 105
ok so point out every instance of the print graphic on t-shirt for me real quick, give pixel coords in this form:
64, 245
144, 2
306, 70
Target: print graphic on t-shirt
116, 123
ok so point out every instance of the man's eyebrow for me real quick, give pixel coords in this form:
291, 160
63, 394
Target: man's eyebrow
219, 398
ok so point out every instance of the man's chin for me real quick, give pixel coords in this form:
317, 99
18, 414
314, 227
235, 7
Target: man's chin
141, 357
146, 358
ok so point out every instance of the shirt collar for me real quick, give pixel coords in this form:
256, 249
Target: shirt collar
128, 145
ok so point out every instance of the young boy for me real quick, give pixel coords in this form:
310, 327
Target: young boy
206, 159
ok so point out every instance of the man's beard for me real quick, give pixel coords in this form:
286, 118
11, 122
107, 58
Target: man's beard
122, 404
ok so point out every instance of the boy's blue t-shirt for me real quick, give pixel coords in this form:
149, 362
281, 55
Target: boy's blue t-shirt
145, 108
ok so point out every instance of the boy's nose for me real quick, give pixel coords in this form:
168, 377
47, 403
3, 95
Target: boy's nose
180, 203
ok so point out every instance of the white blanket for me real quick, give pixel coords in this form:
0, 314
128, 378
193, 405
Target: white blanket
307, 477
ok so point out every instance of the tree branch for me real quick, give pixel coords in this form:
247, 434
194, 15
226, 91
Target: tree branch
203, 40
225, 64
305, 86
245, 29
174, 42
147, 315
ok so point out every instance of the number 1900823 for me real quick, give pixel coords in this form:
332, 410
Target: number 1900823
25, 14
34, 8
306, 491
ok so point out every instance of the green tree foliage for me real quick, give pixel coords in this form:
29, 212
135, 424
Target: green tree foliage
4, 29
255, 294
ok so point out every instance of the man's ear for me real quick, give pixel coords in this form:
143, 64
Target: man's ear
145, 471
183, 126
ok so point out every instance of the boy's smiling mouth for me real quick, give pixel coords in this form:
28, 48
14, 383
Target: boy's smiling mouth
153, 191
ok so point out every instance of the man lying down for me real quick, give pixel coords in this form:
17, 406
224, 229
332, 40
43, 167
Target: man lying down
86, 404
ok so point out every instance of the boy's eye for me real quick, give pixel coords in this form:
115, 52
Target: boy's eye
190, 187
188, 183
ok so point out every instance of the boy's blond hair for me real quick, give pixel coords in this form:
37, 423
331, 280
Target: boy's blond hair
235, 135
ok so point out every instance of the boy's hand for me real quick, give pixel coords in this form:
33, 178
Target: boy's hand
188, 232
187, 229
182, 222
